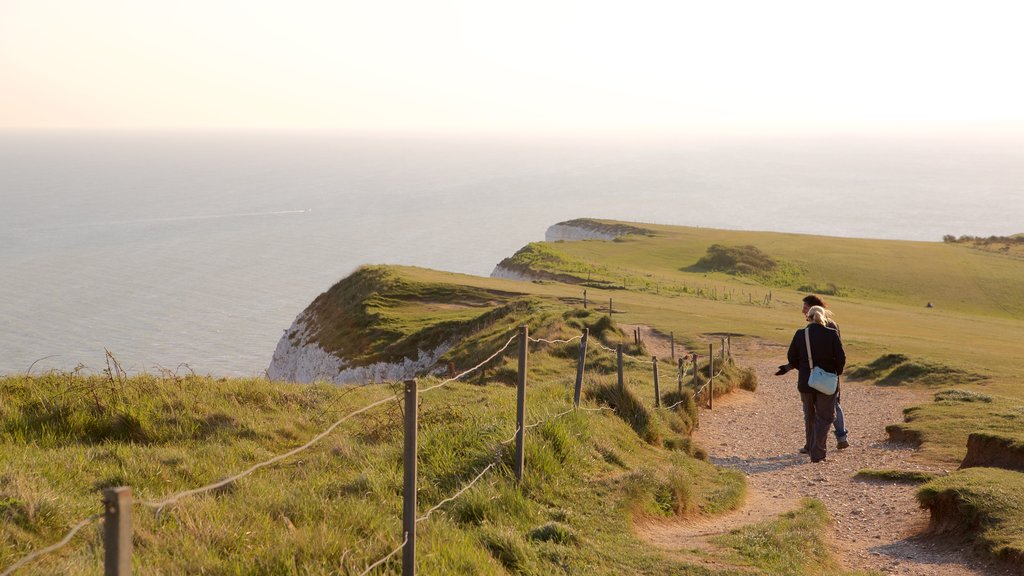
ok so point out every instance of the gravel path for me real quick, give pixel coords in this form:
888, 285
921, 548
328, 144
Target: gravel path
875, 525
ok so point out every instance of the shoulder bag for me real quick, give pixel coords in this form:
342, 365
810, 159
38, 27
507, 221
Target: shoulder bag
820, 380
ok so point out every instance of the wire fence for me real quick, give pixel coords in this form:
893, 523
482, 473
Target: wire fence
160, 505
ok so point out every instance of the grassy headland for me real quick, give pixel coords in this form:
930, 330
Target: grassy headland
336, 508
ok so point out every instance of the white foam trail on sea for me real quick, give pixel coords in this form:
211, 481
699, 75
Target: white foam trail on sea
163, 220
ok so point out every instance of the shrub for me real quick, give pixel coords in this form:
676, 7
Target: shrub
553, 532
736, 260
628, 407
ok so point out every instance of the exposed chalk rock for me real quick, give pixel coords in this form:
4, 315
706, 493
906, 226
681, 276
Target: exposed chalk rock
298, 359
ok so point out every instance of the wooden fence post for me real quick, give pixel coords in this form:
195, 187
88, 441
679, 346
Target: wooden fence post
657, 387
682, 367
524, 340
584, 298
409, 484
117, 531
672, 341
579, 368
711, 376
618, 361
609, 308
695, 372
728, 342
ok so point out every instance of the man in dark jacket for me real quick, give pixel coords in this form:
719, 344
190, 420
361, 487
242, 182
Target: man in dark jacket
827, 352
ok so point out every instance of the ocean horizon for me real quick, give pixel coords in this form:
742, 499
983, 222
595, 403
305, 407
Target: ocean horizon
201, 248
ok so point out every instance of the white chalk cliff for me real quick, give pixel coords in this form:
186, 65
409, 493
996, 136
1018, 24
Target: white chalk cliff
298, 359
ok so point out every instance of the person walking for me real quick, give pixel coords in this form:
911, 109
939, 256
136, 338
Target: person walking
821, 342
842, 434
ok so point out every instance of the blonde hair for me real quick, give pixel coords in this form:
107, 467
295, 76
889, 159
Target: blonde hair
818, 315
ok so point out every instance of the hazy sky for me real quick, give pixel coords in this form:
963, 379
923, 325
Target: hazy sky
552, 66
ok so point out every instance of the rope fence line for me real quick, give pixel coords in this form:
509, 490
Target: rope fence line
456, 377
459, 493
386, 558
542, 340
624, 355
53, 548
160, 505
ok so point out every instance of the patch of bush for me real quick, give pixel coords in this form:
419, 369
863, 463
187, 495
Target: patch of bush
554, 532
628, 407
747, 259
508, 548
827, 289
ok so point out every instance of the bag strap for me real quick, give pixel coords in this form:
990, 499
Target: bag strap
807, 339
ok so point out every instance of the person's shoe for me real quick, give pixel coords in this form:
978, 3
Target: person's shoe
804, 450
816, 460
842, 445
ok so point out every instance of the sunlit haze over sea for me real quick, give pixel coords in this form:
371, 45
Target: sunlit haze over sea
202, 248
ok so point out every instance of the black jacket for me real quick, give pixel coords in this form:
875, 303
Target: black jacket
827, 348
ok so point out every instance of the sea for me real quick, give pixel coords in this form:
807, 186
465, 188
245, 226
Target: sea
196, 250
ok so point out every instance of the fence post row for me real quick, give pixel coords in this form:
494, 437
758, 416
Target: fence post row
409, 487
117, 531
579, 369
524, 340
711, 376
657, 388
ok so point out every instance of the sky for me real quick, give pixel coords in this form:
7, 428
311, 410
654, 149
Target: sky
524, 66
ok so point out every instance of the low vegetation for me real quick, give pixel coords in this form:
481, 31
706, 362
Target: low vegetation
792, 544
901, 476
900, 370
747, 259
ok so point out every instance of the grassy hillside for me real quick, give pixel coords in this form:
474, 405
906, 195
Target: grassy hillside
336, 508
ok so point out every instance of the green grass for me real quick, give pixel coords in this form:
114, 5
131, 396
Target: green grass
983, 502
336, 508
792, 545
901, 476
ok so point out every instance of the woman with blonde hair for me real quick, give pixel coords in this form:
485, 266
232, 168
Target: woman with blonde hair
818, 341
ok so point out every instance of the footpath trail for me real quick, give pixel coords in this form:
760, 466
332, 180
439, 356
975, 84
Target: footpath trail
876, 525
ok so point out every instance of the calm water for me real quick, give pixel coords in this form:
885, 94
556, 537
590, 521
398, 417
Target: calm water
201, 248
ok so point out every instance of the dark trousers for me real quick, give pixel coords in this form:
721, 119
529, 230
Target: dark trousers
819, 412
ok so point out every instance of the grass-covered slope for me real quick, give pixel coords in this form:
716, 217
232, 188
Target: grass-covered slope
336, 508
951, 276
381, 313
986, 503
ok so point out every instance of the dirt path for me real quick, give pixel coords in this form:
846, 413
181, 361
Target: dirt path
875, 525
